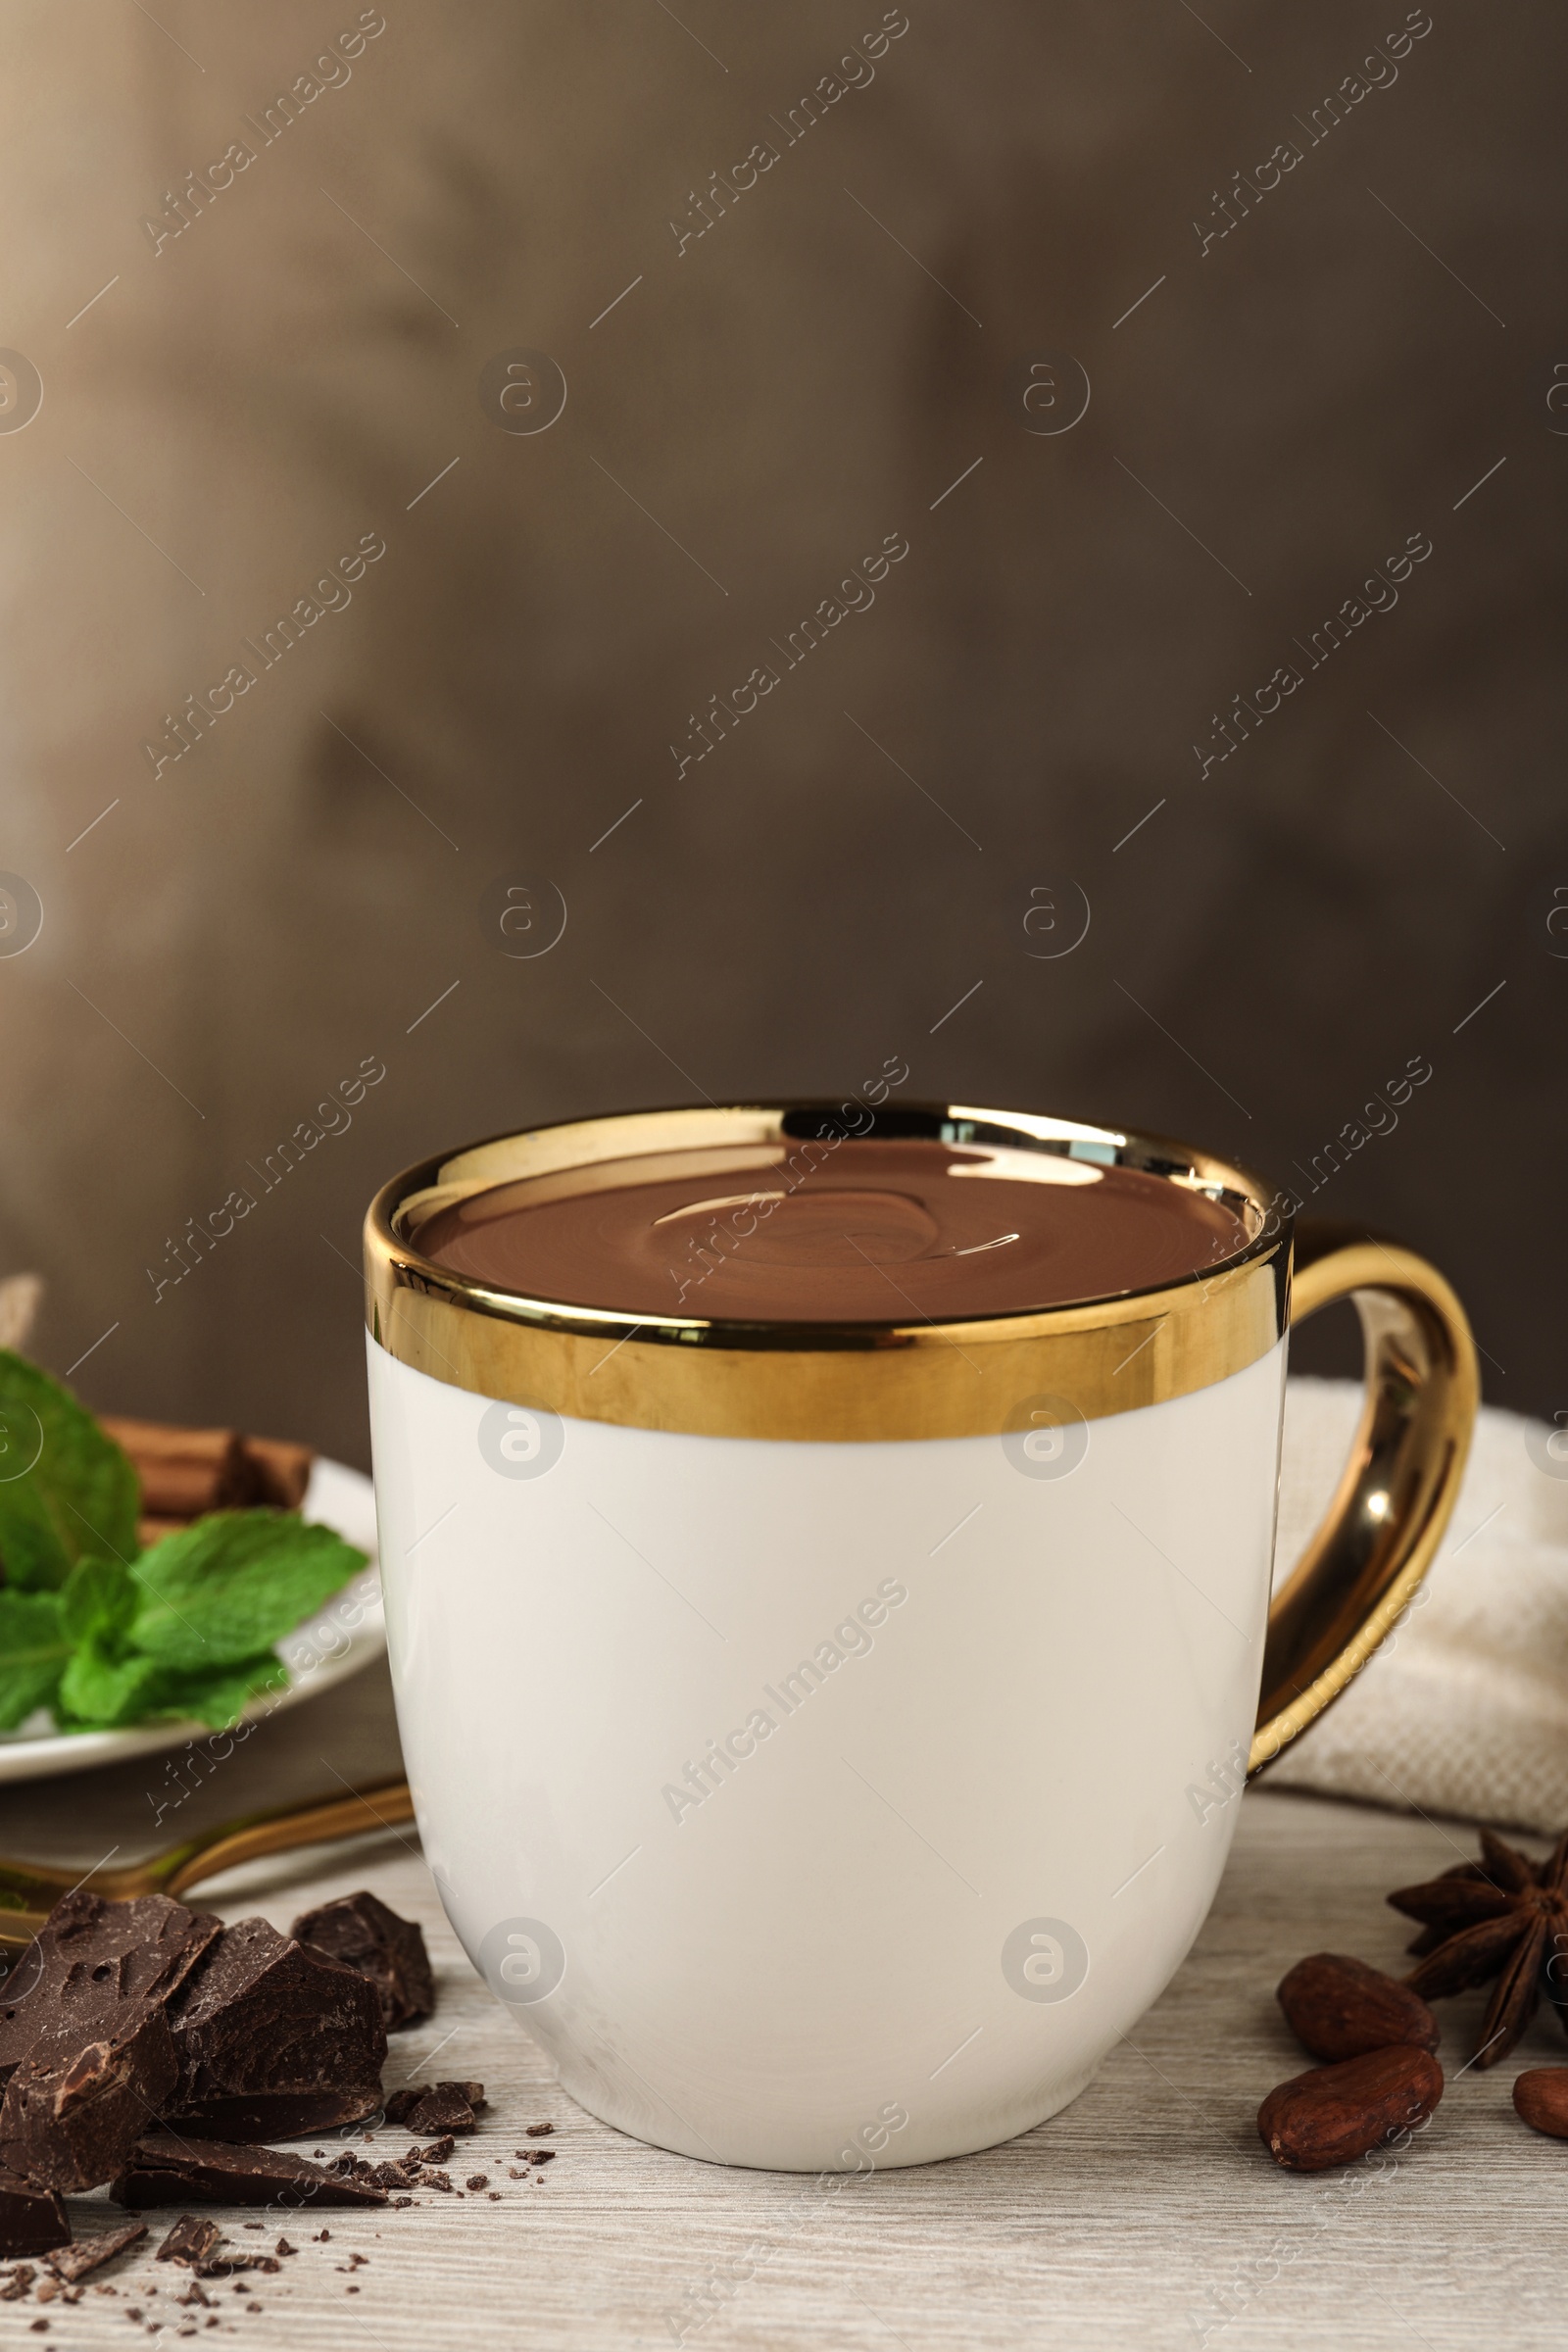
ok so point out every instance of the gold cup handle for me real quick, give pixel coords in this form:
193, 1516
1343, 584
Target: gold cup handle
1365, 1564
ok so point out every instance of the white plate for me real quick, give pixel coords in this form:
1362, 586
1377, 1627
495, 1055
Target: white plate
347, 1634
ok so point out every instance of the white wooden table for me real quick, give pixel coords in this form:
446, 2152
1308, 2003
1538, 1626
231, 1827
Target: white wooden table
1146, 2215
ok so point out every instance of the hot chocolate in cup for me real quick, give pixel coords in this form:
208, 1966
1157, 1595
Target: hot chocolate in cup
828, 1555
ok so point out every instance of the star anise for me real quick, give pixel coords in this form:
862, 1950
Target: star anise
1504, 1917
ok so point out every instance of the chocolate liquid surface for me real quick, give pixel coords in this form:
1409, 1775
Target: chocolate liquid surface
864, 1231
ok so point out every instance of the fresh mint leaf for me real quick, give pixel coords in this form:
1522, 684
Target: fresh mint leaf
219, 1699
100, 1690
98, 1600
229, 1586
34, 1649
65, 1488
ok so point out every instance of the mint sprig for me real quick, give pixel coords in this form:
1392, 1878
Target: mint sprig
103, 1633
66, 1488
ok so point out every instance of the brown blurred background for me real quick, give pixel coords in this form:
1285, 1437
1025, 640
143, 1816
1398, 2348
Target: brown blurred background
230, 409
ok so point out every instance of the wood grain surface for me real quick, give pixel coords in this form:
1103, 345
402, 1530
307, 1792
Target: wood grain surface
1145, 2215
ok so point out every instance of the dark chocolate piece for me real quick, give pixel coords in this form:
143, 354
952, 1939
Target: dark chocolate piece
393, 2176
91, 1956
32, 2221
359, 1931
91, 2253
273, 2040
164, 2170
264, 2115
74, 2107
538, 2131
436, 2106
191, 2239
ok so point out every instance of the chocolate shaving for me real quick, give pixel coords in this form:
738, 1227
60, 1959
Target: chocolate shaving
91, 2253
166, 2171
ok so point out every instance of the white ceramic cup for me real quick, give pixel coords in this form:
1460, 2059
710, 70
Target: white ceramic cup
825, 1765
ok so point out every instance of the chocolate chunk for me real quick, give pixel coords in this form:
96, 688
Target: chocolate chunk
191, 2239
273, 2040
436, 2106
74, 2107
32, 2221
273, 2115
90, 1957
17, 2285
359, 1931
91, 2253
224, 2266
164, 2170
544, 2156
538, 2131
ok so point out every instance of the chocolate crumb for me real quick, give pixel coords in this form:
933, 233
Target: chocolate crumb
515, 2171
437, 2152
17, 2285
543, 2156
495, 2196
478, 2180
322, 2236
283, 2247
253, 2307
538, 2131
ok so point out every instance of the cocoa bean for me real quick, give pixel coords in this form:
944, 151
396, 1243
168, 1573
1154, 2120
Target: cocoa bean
1541, 2100
1338, 2007
1336, 2113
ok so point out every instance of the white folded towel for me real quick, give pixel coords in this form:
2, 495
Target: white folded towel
1464, 1709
